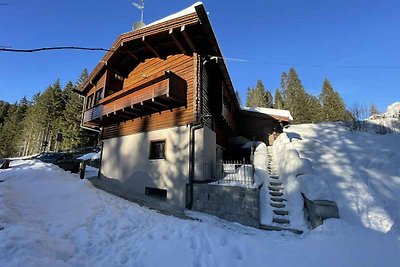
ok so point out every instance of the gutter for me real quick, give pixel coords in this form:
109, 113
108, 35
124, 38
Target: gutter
193, 127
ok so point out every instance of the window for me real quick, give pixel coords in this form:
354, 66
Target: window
89, 102
157, 149
156, 192
99, 96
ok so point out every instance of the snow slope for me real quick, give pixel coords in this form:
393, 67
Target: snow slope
358, 170
49, 217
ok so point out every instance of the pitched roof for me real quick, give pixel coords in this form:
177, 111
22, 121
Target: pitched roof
279, 114
178, 14
188, 30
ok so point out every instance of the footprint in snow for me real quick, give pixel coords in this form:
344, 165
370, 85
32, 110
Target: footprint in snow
193, 244
238, 253
223, 241
150, 236
165, 237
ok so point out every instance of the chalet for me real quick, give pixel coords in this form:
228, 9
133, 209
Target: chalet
166, 109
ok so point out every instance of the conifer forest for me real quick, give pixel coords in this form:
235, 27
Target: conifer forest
32, 125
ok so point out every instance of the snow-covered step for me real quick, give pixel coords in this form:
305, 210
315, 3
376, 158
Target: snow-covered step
275, 188
274, 177
276, 194
280, 220
277, 205
275, 183
280, 228
281, 212
278, 199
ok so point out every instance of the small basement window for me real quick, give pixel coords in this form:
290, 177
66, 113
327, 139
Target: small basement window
156, 192
157, 149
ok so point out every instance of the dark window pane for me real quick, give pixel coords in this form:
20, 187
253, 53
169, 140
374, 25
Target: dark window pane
157, 150
99, 96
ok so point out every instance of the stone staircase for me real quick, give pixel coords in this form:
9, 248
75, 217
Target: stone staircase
280, 219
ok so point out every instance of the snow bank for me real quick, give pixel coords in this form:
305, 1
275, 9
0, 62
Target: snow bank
52, 218
361, 170
393, 110
383, 125
261, 178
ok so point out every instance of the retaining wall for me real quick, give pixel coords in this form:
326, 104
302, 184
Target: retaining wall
232, 203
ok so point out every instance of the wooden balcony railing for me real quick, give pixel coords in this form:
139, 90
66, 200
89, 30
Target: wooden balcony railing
158, 93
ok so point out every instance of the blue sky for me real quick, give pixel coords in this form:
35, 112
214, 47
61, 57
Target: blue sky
355, 44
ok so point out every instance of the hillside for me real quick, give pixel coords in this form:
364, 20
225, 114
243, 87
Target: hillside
358, 170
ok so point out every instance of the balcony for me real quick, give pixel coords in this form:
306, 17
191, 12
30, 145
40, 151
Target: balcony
158, 93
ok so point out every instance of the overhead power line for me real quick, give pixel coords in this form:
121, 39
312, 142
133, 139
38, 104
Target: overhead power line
306, 65
52, 48
7, 49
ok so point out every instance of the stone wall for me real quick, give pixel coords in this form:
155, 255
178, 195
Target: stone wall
231, 203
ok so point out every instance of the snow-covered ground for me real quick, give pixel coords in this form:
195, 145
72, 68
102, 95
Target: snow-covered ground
358, 170
50, 217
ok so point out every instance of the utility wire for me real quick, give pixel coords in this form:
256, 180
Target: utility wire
305, 65
52, 48
5, 49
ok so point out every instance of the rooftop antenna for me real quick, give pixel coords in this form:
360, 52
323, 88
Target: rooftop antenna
140, 7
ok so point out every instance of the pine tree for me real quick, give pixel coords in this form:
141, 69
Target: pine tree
295, 97
249, 97
11, 130
333, 106
283, 89
314, 109
4, 107
269, 99
51, 108
32, 128
74, 135
278, 100
258, 96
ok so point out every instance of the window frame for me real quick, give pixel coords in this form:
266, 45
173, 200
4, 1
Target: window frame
153, 142
98, 91
89, 101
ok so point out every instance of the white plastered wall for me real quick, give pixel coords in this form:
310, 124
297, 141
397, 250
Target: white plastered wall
205, 154
126, 159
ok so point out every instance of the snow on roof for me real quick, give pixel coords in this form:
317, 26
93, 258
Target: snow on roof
270, 111
181, 13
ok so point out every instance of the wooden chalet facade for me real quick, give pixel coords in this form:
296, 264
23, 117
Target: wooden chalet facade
164, 103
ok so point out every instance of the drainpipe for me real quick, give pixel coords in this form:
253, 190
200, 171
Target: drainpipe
196, 126
192, 150
193, 128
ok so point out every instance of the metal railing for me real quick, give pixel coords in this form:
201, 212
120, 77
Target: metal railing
230, 171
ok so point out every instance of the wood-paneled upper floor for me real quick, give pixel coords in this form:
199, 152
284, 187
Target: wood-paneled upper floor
157, 94
184, 34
